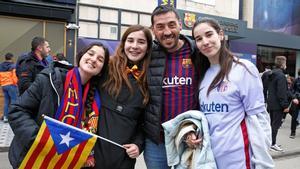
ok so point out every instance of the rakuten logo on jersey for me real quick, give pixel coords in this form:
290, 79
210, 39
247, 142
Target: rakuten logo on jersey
176, 81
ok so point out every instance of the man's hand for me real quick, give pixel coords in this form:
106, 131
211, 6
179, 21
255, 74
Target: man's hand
132, 150
192, 141
286, 110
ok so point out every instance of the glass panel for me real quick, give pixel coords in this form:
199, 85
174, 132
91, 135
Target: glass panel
88, 29
123, 29
129, 18
145, 20
108, 31
109, 15
16, 35
56, 37
89, 13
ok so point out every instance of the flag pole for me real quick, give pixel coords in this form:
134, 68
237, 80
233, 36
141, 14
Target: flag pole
78, 129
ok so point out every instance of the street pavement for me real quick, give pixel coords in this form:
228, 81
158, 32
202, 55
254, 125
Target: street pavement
290, 146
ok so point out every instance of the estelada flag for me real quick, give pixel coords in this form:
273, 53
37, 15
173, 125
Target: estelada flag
59, 145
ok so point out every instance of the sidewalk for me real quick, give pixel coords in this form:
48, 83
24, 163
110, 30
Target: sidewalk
290, 146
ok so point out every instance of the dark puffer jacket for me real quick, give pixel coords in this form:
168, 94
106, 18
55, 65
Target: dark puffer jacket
155, 81
277, 91
25, 116
27, 68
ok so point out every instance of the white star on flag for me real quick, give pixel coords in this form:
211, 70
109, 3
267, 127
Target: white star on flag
66, 139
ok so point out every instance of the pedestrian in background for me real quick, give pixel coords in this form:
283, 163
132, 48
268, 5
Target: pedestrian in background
277, 98
60, 57
296, 87
124, 95
30, 64
231, 97
172, 81
293, 99
8, 82
50, 95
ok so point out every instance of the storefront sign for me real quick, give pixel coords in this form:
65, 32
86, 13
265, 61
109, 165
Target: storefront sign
229, 26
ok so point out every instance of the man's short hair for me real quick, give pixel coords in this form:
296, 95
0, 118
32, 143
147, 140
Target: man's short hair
162, 9
36, 41
8, 56
280, 61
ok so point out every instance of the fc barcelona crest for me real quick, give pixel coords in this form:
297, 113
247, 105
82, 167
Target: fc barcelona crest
186, 63
189, 19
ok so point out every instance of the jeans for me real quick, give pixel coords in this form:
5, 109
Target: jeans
155, 155
10, 96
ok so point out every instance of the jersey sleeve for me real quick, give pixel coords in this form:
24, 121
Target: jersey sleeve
251, 90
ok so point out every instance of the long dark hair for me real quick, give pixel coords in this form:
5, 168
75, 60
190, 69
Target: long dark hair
226, 57
94, 81
117, 74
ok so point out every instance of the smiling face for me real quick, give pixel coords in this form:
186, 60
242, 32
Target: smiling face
135, 46
208, 41
91, 62
166, 28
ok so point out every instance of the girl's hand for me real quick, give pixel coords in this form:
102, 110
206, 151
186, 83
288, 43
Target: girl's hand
132, 150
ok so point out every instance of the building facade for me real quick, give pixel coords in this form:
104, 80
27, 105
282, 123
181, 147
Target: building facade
22, 20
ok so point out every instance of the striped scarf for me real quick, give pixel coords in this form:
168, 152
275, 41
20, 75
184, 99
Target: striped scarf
72, 105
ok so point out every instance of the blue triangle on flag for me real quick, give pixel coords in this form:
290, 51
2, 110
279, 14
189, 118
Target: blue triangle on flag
64, 136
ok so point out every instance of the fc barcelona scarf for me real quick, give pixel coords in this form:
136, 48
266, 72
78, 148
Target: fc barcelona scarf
72, 106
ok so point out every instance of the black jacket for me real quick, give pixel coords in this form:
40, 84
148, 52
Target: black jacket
121, 121
25, 116
155, 81
27, 68
277, 91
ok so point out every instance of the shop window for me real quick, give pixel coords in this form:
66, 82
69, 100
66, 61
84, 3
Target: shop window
129, 18
16, 35
88, 13
145, 20
266, 56
56, 36
108, 15
88, 29
108, 31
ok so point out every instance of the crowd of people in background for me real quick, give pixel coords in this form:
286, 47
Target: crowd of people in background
127, 97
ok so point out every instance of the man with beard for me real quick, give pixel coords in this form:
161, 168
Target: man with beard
30, 64
172, 81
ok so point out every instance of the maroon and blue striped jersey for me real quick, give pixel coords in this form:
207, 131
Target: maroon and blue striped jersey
179, 84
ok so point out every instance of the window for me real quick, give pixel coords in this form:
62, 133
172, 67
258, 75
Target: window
88, 29
108, 31
145, 20
17, 33
88, 13
129, 18
108, 15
